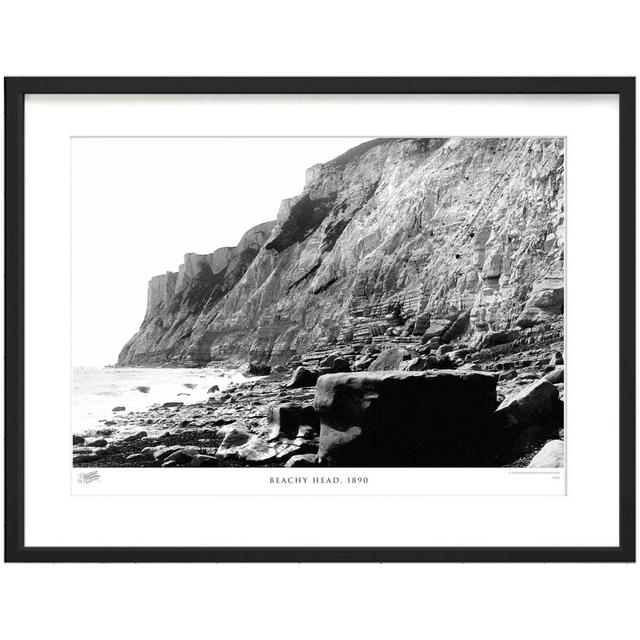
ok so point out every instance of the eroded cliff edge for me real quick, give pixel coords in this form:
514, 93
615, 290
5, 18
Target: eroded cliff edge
395, 241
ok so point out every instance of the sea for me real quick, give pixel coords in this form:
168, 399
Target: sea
98, 390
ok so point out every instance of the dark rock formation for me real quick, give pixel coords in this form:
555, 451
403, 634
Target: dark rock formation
404, 418
537, 403
527, 418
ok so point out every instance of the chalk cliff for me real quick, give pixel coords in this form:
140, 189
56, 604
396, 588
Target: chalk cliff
397, 240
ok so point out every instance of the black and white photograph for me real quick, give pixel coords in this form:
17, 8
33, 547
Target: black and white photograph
318, 302
320, 320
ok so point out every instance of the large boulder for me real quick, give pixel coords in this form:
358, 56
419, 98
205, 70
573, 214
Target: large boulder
551, 456
536, 403
545, 303
390, 359
431, 418
527, 418
303, 377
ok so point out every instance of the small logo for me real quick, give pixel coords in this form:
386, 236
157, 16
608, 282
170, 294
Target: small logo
88, 477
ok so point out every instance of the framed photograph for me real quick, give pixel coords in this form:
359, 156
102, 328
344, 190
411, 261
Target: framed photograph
320, 319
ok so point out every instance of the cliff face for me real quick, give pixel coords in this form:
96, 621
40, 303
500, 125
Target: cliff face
176, 301
395, 240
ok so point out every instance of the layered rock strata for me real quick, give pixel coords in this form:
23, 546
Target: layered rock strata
398, 241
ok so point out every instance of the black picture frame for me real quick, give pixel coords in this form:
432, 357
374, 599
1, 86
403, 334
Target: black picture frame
15, 91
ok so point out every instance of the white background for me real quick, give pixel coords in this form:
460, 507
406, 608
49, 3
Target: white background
333, 38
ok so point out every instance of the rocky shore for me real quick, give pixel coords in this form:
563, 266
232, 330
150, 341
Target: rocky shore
392, 402
405, 309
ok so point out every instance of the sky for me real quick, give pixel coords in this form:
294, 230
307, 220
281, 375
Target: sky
139, 204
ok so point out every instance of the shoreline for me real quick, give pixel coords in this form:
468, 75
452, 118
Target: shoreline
236, 428
199, 426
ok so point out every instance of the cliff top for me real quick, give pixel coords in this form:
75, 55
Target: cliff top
355, 152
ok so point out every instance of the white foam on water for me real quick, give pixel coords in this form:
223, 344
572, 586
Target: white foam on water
98, 390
